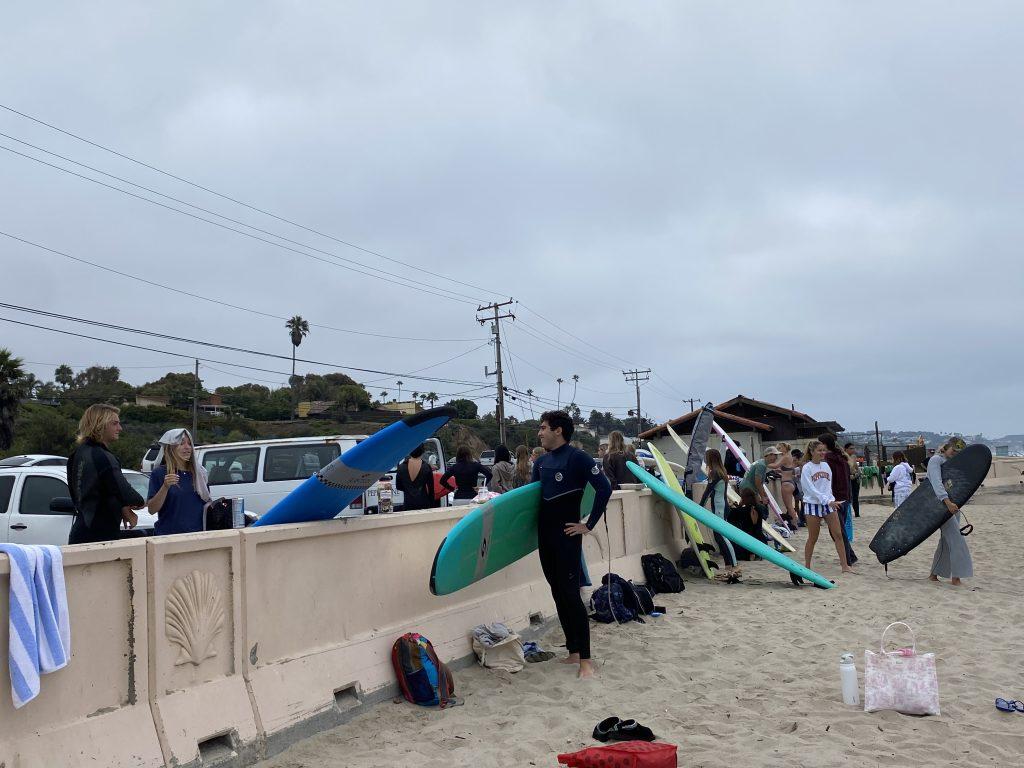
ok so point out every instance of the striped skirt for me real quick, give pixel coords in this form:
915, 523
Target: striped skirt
817, 510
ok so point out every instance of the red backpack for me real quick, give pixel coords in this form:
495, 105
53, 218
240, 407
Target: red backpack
423, 679
627, 754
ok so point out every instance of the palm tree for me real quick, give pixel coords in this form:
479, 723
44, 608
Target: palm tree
64, 376
298, 329
415, 395
432, 398
575, 381
400, 383
559, 393
529, 395
383, 395
12, 377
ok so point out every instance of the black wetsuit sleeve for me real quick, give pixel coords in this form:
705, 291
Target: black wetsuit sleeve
484, 471
114, 483
588, 468
535, 472
708, 492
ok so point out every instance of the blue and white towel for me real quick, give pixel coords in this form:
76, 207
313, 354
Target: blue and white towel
40, 631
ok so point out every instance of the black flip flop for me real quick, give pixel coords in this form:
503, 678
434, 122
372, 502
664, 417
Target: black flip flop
603, 730
631, 730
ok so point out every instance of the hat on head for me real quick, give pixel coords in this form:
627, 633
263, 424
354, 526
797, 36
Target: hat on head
772, 451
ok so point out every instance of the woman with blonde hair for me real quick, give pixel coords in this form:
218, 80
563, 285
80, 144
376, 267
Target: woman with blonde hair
820, 503
104, 500
614, 463
179, 490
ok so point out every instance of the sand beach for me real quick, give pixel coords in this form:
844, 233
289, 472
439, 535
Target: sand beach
747, 675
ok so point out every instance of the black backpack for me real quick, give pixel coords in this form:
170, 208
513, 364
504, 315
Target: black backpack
661, 574
644, 598
614, 601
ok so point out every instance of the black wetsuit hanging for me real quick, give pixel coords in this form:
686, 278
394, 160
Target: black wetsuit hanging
564, 474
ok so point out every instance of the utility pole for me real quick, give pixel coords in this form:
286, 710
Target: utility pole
195, 407
496, 330
634, 376
691, 401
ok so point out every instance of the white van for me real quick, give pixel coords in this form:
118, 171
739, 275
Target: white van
265, 471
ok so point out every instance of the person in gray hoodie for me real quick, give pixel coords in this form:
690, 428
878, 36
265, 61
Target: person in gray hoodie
952, 557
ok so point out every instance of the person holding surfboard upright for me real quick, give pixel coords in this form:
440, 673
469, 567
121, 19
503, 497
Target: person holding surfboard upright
952, 557
820, 504
564, 473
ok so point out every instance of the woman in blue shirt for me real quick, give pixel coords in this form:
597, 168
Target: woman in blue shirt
179, 491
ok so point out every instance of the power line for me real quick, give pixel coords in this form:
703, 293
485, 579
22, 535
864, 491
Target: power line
567, 333
212, 345
217, 302
235, 200
406, 283
205, 210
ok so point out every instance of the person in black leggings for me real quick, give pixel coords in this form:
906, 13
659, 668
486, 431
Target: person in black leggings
564, 473
465, 471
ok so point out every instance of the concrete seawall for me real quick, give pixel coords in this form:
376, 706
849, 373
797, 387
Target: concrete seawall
226, 647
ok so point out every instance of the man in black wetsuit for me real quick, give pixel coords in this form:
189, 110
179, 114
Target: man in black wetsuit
564, 473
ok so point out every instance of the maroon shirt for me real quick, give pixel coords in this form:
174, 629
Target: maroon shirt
840, 466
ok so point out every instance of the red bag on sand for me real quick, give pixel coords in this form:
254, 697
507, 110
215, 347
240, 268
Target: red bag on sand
626, 754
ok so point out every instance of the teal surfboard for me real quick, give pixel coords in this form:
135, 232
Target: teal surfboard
729, 531
491, 537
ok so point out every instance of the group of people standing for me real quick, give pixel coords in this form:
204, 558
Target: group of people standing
105, 502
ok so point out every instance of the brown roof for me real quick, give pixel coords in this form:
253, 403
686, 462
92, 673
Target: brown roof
719, 416
741, 399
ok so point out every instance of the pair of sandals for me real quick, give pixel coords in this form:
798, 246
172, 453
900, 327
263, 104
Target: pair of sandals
614, 729
1009, 706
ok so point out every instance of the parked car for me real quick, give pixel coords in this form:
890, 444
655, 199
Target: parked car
36, 507
265, 471
34, 460
487, 458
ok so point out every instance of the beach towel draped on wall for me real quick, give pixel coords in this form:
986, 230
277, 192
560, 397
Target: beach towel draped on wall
40, 631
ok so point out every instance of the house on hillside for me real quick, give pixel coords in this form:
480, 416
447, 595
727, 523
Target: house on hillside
152, 401
403, 407
753, 424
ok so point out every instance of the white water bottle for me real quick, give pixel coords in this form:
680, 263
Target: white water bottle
848, 676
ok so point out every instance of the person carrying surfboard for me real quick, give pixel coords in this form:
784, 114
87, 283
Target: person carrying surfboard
952, 557
564, 473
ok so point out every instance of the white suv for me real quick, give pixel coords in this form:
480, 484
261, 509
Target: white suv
34, 460
36, 508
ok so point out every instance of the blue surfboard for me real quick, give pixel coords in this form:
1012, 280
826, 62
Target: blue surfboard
729, 531
341, 482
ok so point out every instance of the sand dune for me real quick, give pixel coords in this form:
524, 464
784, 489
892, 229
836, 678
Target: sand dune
747, 675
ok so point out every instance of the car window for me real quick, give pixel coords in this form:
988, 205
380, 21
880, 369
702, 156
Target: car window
6, 486
151, 454
37, 493
297, 462
15, 461
232, 465
56, 462
139, 482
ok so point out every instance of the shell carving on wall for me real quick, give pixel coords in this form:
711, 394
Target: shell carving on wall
195, 617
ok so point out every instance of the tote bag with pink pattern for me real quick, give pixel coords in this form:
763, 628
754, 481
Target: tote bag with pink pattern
902, 680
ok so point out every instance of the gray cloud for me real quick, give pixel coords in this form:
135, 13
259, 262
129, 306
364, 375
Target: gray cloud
811, 203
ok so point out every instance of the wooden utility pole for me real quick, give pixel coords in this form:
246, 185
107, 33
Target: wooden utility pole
634, 376
495, 319
879, 461
195, 407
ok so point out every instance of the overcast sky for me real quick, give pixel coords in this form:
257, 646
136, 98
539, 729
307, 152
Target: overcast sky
811, 203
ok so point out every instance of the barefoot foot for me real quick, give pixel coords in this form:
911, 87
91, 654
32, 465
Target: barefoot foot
586, 669
572, 658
